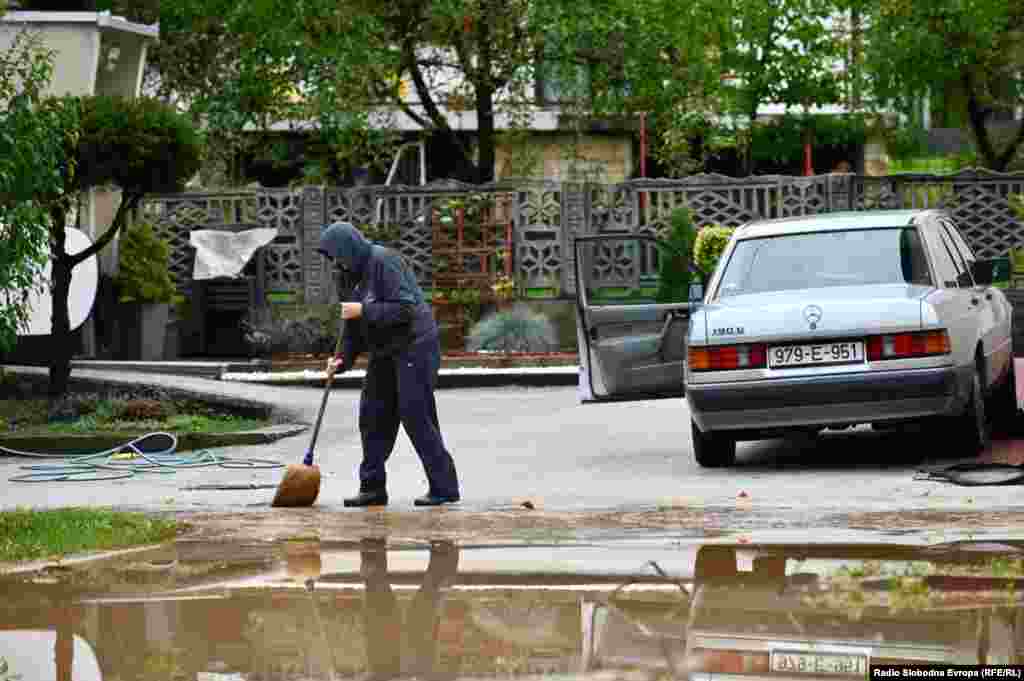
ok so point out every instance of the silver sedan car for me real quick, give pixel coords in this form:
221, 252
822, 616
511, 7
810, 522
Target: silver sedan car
829, 321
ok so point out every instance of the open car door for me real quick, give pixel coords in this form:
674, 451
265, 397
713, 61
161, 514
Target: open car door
631, 324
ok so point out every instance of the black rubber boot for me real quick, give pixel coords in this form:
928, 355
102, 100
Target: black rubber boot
375, 498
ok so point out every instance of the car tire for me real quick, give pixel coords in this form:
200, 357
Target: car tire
712, 450
972, 427
1003, 404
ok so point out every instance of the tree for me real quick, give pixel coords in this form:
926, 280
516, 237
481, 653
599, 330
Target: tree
136, 145
34, 133
621, 57
349, 71
358, 64
782, 52
974, 48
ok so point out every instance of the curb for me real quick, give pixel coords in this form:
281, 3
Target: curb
72, 444
175, 368
447, 378
256, 372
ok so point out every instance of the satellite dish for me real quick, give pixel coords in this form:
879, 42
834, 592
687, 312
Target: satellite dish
85, 280
30, 654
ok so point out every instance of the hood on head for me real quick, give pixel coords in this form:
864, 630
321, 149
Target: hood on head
346, 244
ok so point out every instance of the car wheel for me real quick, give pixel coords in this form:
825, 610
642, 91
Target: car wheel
712, 450
972, 428
1003, 405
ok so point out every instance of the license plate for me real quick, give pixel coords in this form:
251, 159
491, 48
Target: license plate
837, 664
841, 352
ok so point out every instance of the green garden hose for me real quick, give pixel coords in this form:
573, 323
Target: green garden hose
151, 453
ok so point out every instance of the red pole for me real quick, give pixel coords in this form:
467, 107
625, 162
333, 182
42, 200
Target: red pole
643, 153
508, 248
808, 165
643, 145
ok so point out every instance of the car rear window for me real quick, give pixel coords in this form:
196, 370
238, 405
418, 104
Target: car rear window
826, 259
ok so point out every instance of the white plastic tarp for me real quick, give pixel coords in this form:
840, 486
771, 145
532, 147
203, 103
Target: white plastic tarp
220, 253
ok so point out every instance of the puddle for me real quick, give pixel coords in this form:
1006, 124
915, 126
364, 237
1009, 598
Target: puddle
209, 611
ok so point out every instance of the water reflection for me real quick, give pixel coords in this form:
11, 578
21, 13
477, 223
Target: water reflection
387, 647
369, 610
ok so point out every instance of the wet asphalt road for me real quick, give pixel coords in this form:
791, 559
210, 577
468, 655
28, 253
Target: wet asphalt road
540, 444
619, 500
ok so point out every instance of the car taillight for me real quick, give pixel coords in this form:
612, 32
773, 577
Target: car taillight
727, 661
902, 345
723, 357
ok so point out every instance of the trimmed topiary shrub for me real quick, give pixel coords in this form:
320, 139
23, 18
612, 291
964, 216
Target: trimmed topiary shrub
711, 242
142, 268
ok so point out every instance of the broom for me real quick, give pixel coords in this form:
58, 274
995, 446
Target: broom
301, 483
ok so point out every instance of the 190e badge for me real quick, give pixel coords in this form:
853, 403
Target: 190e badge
728, 331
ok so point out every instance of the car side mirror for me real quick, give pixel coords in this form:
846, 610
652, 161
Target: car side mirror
983, 272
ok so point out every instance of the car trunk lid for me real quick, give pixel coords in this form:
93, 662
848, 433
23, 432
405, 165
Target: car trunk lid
816, 313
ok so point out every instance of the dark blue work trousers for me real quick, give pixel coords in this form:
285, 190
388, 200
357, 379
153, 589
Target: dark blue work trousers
400, 390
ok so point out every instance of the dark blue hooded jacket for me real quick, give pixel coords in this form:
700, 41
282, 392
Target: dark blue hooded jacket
395, 311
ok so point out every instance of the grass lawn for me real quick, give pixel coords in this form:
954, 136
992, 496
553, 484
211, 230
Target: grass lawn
29, 417
31, 535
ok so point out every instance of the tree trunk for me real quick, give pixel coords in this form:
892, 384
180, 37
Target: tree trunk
856, 55
486, 135
61, 350
484, 89
977, 117
748, 152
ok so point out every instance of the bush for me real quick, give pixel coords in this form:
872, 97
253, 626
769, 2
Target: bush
142, 410
143, 275
517, 330
140, 145
1017, 204
711, 242
907, 143
674, 260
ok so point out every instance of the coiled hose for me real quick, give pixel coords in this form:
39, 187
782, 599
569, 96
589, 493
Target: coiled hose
150, 453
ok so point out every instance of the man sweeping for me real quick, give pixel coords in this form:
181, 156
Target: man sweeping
391, 321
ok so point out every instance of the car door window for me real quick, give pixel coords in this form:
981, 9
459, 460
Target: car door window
963, 270
959, 240
945, 266
961, 246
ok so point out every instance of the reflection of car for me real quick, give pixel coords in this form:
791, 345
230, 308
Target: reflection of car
834, 320
832, 611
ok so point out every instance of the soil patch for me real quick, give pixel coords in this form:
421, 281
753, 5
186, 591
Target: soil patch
915, 520
490, 527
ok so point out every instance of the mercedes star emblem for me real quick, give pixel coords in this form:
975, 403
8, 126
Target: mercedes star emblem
812, 313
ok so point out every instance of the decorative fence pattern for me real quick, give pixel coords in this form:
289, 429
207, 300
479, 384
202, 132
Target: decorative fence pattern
543, 218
